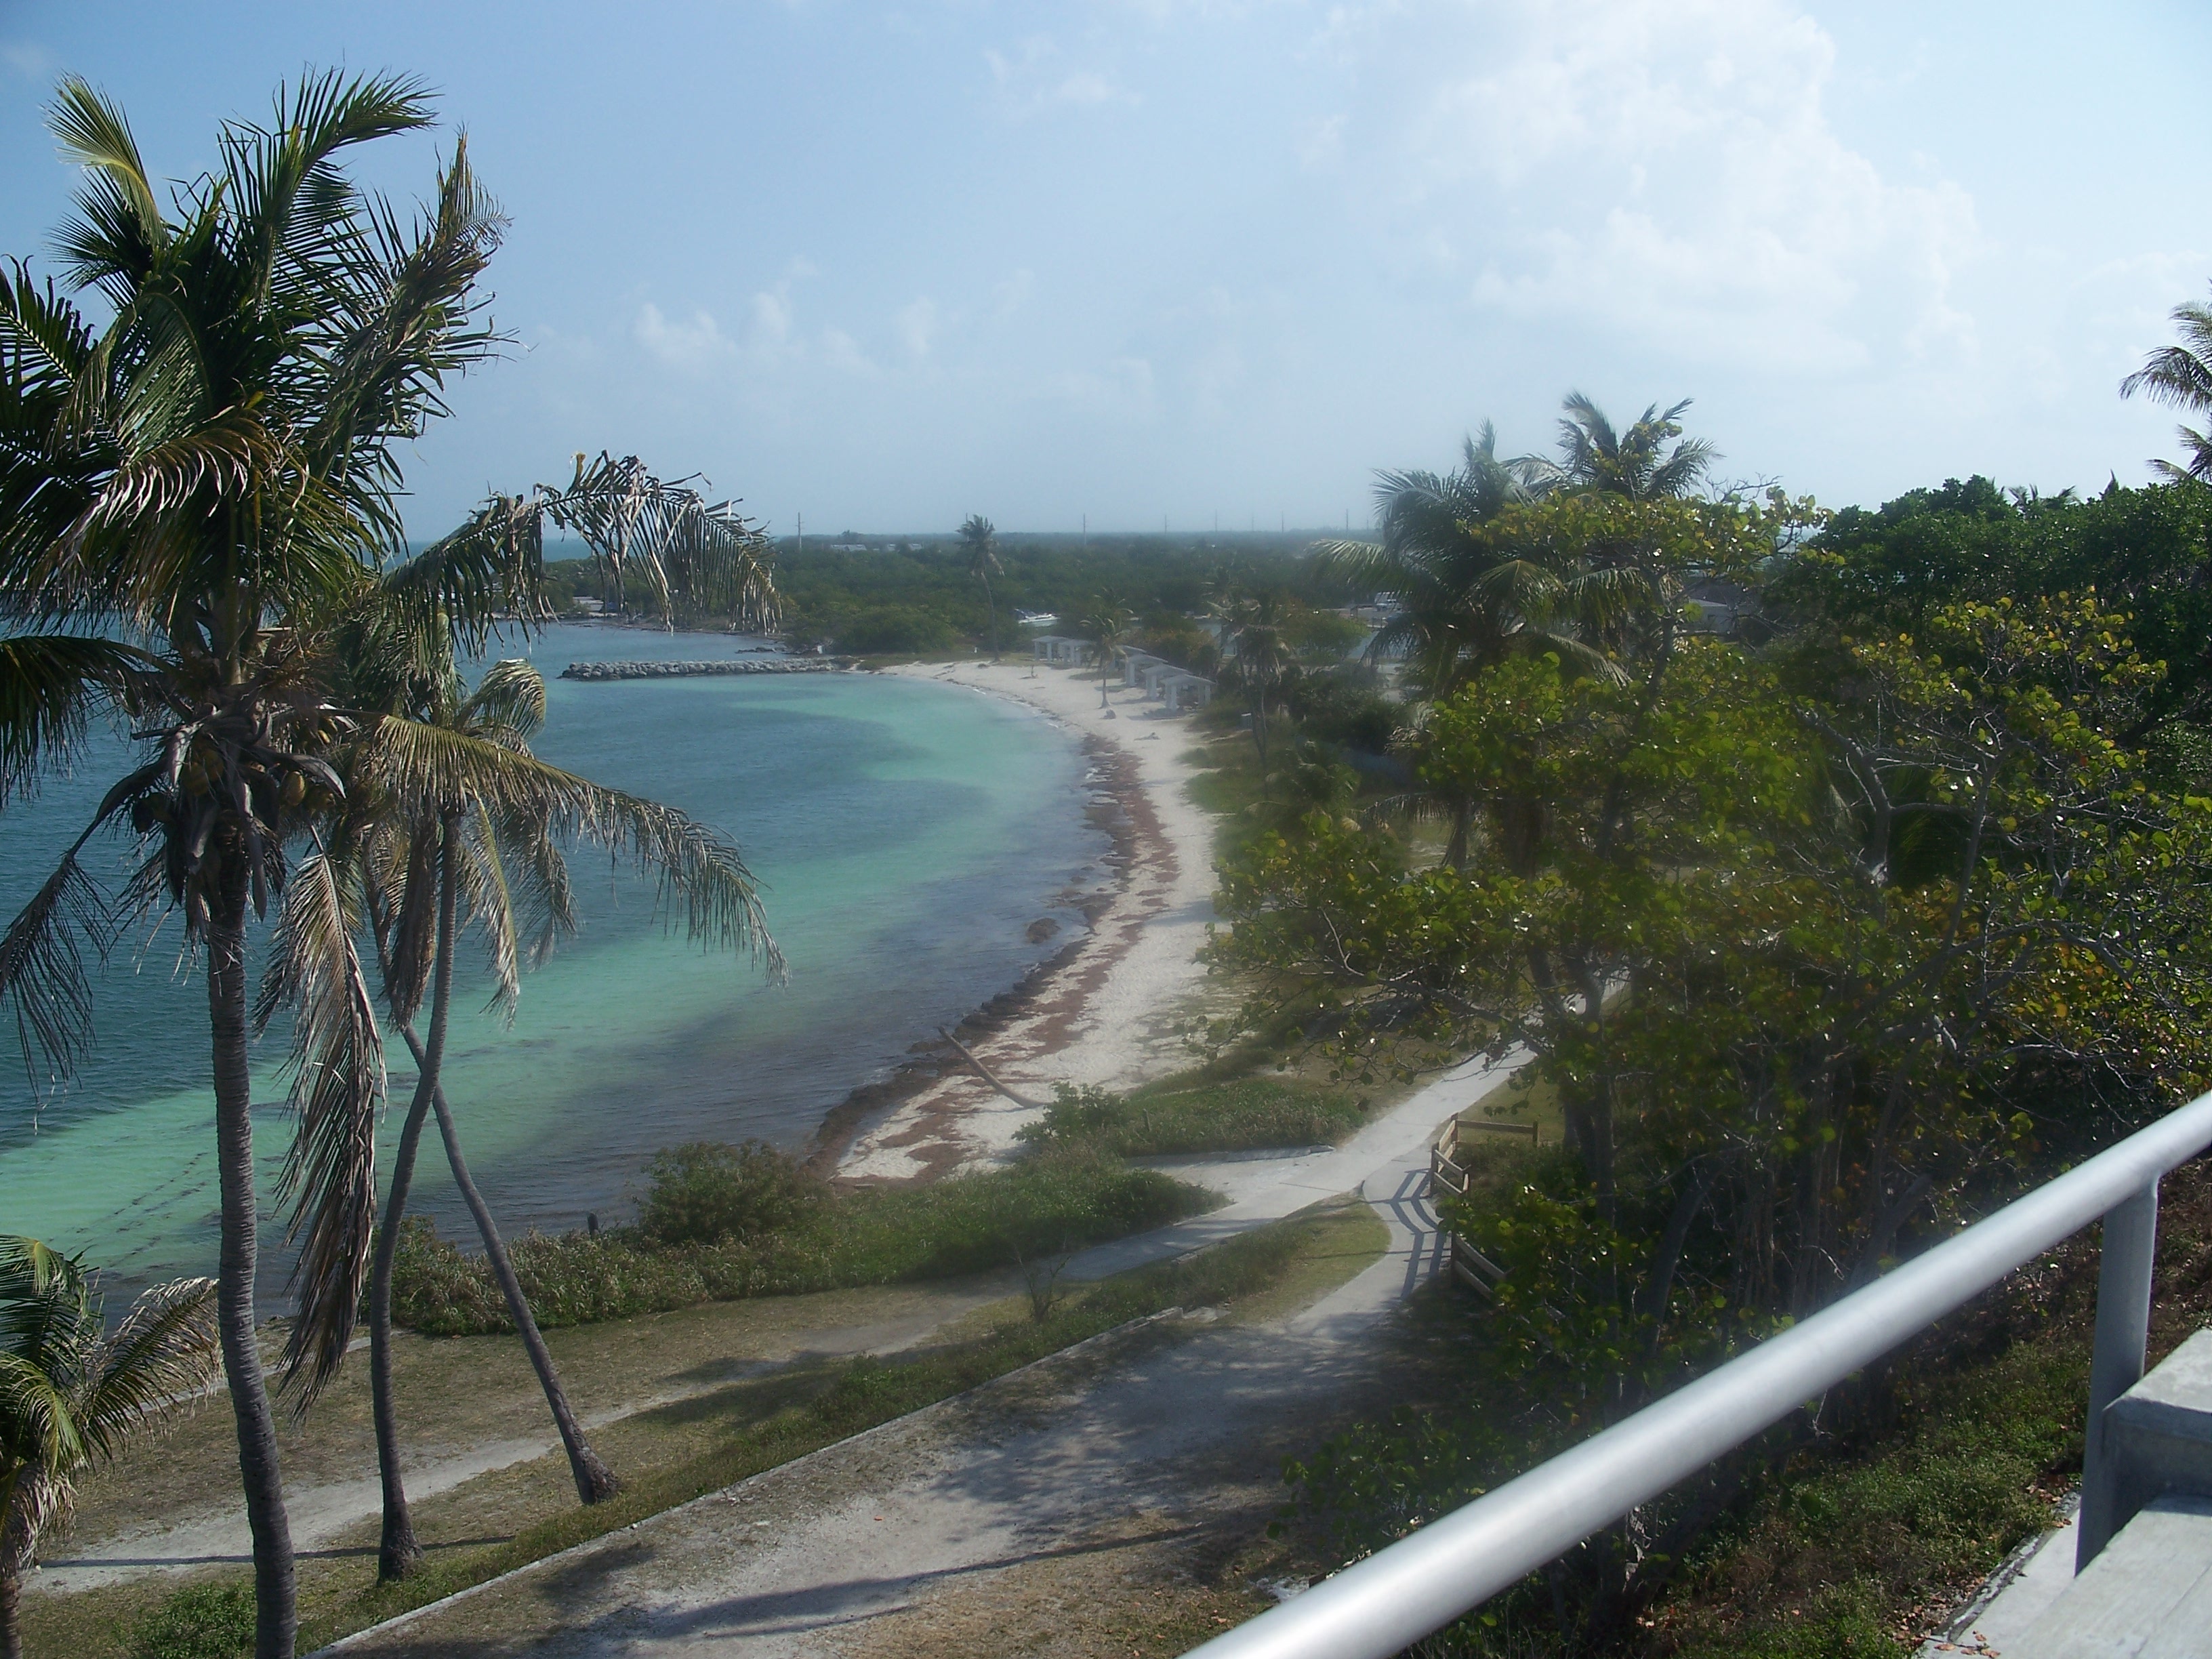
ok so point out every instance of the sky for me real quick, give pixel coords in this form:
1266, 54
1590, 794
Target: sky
1136, 264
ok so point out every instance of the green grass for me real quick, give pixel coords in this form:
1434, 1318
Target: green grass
200, 1621
873, 1235
1246, 1114
1840, 1554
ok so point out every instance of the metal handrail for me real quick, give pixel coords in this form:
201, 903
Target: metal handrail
1424, 1581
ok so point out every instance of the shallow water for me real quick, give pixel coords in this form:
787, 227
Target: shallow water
905, 834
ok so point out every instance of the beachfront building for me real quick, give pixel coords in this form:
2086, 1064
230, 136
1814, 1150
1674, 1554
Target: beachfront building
1063, 650
1169, 683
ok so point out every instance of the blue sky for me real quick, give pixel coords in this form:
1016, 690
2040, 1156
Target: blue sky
1141, 260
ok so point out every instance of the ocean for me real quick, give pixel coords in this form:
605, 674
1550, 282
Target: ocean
905, 836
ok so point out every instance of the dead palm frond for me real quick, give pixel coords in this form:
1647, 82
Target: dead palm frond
666, 541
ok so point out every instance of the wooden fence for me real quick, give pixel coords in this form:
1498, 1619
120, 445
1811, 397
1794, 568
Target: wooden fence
1447, 1175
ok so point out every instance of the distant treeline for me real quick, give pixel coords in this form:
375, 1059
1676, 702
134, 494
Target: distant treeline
880, 594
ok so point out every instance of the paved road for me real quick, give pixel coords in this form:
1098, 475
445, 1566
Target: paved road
1141, 1435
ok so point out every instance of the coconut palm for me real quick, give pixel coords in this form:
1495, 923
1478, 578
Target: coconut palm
1107, 625
981, 538
1652, 460
1257, 655
74, 1393
450, 823
2182, 375
209, 476
1462, 599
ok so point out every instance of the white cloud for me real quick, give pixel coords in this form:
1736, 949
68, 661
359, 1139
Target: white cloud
1663, 168
1013, 292
918, 324
1121, 387
842, 352
30, 61
694, 346
1036, 78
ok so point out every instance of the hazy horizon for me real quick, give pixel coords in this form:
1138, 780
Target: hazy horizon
884, 265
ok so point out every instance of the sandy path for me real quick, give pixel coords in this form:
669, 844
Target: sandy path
884, 1541
1109, 1015
322, 1511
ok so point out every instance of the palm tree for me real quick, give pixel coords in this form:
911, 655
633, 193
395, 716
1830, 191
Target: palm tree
210, 476
981, 538
1651, 461
1258, 656
2182, 375
1106, 623
447, 811
73, 1392
1462, 597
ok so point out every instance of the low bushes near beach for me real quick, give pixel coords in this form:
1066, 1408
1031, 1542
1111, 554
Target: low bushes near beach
1244, 1114
718, 1223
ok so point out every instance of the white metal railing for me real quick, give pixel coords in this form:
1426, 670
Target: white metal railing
1424, 1581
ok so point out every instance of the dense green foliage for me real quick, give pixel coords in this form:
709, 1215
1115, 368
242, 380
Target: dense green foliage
1247, 1114
1830, 929
705, 1192
828, 1237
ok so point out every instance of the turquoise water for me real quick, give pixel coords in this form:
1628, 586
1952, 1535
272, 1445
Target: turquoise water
905, 834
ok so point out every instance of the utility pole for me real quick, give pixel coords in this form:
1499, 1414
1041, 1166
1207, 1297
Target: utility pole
802, 533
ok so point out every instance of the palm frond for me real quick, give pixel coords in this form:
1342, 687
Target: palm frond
119, 231
42, 970
164, 1349
668, 540
50, 685
491, 909
338, 1091
508, 702
703, 880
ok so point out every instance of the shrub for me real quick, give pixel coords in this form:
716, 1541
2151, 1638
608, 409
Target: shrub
704, 1193
892, 630
1250, 1114
200, 1621
1064, 1198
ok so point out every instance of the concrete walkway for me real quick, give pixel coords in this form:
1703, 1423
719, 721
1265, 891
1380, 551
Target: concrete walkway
901, 1537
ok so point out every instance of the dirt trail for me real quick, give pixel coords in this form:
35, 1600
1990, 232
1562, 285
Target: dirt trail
1141, 1438
473, 1407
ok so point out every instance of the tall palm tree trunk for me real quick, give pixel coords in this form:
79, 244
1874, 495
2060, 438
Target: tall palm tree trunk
992, 611
594, 1479
275, 1612
397, 1553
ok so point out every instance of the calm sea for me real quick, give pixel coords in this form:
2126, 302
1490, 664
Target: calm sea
905, 835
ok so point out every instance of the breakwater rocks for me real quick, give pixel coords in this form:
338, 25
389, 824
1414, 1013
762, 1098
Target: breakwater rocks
674, 671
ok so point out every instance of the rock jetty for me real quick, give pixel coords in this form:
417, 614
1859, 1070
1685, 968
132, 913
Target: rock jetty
671, 671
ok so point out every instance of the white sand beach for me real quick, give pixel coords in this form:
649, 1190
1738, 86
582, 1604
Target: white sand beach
1110, 1014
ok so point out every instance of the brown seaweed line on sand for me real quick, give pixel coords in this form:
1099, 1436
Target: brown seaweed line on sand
1058, 987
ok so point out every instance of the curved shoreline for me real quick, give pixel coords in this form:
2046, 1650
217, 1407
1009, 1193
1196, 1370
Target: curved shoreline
1104, 1010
